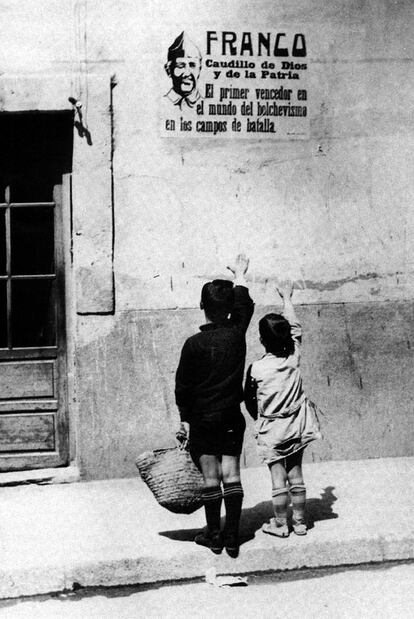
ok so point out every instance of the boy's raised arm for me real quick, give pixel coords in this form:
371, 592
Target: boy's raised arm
243, 304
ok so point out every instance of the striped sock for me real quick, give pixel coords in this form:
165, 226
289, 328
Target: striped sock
212, 498
233, 499
298, 495
280, 505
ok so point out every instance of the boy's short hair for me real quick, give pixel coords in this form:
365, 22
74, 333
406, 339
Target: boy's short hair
217, 299
276, 335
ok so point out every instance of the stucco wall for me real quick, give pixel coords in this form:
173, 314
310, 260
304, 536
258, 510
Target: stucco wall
331, 212
357, 365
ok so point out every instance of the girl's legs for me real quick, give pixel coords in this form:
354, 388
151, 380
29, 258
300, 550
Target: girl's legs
212, 498
279, 499
233, 499
297, 491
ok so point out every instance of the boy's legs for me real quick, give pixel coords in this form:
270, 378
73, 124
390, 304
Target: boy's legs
297, 491
233, 499
212, 470
212, 497
279, 499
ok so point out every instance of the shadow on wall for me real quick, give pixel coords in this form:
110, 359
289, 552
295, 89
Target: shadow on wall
253, 517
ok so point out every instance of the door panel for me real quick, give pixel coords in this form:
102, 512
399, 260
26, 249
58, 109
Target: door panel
27, 379
27, 432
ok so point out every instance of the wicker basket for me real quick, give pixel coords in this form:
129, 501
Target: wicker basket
173, 478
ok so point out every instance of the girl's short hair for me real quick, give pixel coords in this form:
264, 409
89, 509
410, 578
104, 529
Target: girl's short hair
276, 336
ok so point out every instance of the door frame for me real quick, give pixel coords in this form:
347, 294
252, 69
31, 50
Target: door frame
89, 284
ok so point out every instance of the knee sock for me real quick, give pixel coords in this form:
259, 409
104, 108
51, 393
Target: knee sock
298, 496
212, 498
233, 499
280, 504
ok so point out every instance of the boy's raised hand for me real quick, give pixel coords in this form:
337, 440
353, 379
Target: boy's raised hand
240, 267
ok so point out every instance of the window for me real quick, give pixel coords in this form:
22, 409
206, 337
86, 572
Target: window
28, 274
32, 163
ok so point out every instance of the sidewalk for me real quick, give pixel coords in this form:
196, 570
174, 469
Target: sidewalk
114, 533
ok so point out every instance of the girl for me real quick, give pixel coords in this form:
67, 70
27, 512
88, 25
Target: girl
286, 419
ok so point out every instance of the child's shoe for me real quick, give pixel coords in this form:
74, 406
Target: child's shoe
214, 541
299, 527
232, 545
276, 527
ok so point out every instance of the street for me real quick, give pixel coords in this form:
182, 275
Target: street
380, 591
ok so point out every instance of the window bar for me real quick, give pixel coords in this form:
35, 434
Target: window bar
29, 204
8, 268
34, 276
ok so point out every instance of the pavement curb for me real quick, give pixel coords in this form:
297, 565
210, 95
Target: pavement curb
110, 533
273, 556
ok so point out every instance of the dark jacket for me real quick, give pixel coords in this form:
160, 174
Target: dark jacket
210, 372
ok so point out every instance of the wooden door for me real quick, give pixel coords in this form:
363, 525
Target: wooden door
33, 402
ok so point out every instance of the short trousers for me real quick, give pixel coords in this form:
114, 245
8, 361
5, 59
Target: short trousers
217, 433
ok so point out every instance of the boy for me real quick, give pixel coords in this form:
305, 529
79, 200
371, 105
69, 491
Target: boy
208, 393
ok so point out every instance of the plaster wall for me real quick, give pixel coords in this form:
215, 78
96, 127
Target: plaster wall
332, 212
357, 365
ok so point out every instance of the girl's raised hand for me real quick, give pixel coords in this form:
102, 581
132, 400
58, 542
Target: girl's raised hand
285, 289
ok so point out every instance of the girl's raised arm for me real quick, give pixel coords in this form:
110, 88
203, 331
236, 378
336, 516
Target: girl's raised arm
286, 292
288, 311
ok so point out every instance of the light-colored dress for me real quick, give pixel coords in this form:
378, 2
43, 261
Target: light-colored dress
286, 419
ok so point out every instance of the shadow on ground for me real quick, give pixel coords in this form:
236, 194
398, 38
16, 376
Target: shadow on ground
253, 517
